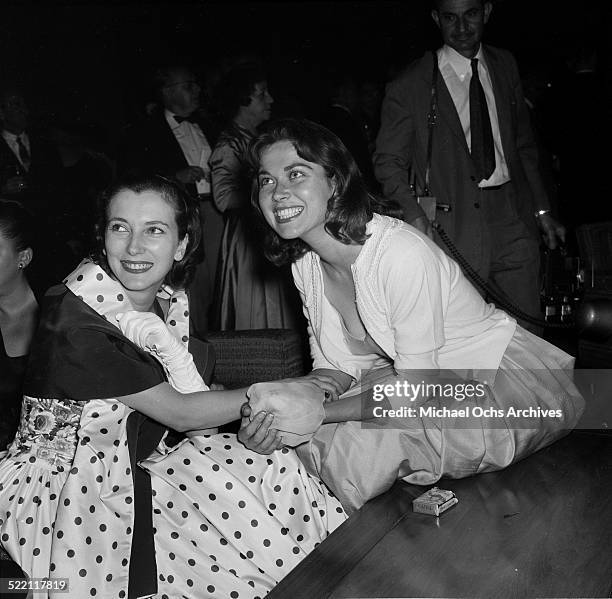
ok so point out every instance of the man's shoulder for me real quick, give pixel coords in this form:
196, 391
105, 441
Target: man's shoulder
416, 69
153, 122
500, 55
5, 150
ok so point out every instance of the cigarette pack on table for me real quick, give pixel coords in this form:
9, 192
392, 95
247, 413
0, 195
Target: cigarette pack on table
434, 502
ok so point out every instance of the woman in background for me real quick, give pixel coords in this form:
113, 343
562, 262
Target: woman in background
18, 310
252, 294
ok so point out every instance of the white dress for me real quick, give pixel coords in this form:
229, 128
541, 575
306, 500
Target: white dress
423, 315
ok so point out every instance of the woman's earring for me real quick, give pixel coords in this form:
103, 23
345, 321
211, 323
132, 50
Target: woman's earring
21, 265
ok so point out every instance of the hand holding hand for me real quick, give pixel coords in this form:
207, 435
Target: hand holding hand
332, 388
297, 407
256, 434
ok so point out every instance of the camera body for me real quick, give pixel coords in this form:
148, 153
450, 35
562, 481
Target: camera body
594, 316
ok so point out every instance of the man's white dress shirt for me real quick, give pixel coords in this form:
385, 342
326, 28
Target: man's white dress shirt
457, 73
11, 140
194, 145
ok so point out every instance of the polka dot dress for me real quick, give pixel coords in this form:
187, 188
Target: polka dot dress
227, 522
93, 529
31, 480
232, 523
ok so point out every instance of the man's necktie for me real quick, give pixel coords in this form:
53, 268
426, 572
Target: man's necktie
483, 149
24, 155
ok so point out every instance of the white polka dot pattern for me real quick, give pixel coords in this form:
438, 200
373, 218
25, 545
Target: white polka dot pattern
228, 522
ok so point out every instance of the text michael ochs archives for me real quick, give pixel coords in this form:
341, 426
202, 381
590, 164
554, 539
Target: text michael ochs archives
402, 392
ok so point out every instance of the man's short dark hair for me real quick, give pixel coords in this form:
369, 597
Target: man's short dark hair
435, 4
163, 74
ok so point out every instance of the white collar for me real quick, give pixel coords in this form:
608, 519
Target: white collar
171, 120
460, 64
14, 136
92, 285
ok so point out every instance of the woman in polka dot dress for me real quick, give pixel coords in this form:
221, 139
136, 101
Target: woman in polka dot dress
90, 490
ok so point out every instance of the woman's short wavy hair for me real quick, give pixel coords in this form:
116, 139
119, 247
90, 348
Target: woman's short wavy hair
17, 224
187, 214
349, 209
236, 87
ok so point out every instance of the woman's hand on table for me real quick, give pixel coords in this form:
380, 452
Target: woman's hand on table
256, 434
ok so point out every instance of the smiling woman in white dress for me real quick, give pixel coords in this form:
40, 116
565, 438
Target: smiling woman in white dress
90, 491
381, 298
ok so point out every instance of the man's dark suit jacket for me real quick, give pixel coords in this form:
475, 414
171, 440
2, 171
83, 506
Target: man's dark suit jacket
150, 147
402, 142
350, 130
43, 177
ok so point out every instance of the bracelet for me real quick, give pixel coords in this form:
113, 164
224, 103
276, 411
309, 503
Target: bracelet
541, 212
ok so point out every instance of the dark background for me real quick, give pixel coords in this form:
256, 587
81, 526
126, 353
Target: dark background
90, 61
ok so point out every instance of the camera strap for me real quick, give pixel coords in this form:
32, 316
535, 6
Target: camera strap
430, 205
431, 120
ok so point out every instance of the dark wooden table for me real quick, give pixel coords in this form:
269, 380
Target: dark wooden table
540, 528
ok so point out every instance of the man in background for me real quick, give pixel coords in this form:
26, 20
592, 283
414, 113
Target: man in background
29, 164
176, 141
484, 162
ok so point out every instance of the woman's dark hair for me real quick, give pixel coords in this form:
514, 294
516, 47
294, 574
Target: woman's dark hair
349, 209
17, 224
187, 216
235, 88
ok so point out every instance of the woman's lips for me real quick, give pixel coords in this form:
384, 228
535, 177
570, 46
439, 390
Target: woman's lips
136, 267
283, 215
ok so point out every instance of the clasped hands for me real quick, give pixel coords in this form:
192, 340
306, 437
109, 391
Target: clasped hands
295, 407
286, 412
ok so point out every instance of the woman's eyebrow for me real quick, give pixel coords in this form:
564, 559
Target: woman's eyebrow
149, 222
302, 164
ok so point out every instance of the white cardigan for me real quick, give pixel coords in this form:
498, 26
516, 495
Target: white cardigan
413, 300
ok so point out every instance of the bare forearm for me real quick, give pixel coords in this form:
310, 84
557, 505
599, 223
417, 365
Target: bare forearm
191, 411
220, 408
343, 410
342, 380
